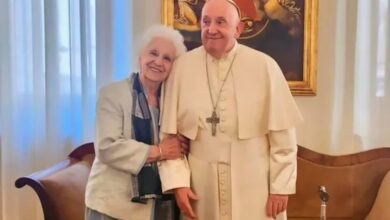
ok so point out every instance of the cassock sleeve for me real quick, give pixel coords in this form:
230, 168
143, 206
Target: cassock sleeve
169, 107
173, 173
283, 161
283, 116
283, 111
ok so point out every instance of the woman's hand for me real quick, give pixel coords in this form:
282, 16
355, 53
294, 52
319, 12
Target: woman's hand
185, 144
171, 148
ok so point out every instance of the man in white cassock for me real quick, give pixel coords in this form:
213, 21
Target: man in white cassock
234, 105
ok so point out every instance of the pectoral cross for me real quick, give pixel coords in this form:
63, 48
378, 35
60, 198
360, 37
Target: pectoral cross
213, 120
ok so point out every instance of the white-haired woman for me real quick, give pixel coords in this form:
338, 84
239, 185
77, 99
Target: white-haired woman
124, 181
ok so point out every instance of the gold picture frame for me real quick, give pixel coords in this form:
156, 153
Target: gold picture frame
291, 42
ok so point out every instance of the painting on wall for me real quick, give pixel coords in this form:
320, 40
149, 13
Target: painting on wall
284, 29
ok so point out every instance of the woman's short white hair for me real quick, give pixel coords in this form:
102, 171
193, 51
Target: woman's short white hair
164, 32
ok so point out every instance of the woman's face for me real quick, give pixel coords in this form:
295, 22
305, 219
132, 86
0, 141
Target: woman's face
156, 59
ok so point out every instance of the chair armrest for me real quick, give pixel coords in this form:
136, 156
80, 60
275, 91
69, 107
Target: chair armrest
380, 209
82, 151
34, 182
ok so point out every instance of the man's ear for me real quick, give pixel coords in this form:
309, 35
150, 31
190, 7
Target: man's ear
239, 29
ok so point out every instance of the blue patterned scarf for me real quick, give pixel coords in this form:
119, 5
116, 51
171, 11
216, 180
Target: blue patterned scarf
147, 184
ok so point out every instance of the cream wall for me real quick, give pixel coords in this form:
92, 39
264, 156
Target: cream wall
145, 14
335, 57
322, 130
346, 116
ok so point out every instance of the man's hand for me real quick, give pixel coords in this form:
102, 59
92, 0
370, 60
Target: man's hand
183, 196
276, 204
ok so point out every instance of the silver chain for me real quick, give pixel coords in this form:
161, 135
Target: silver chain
215, 104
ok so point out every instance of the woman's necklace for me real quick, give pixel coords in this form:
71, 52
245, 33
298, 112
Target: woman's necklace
214, 119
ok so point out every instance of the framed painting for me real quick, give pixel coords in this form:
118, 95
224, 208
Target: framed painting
284, 29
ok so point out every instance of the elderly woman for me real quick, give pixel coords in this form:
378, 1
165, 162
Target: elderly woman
124, 181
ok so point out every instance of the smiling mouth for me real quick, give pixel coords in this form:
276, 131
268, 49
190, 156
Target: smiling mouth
214, 37
155, 69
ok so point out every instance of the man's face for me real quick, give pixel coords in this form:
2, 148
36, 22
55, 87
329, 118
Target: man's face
220, 27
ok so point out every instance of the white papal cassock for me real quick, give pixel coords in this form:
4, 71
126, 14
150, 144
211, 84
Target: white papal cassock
254, 150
